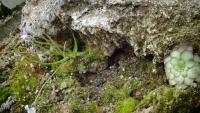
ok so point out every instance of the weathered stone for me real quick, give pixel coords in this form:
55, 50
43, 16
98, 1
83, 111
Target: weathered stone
149, 26
9, 24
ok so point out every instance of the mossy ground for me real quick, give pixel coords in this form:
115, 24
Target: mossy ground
84, 82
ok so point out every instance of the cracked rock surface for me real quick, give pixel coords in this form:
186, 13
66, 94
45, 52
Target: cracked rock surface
151, 27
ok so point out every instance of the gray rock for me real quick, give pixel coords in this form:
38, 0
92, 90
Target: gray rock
149, 26
9, 24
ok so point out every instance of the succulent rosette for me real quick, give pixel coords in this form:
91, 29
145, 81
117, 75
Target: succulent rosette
182, 67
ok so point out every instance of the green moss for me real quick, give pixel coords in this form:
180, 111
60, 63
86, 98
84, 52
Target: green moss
128, 105
126, 70
148, 66
187, 101
24, 80
166, 99
93, 108
77, 107
113, 95
4, 94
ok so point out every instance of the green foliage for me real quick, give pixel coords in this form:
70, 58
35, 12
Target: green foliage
92, 108
161, 99
75, 100
4, 94
66, 60
24, 80
77, 107
80, 108
148, 66
113, 95
128, 105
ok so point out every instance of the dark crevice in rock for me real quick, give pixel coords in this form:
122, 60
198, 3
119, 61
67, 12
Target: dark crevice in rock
80, 43
118, 54
149, 57
67, 36
4, 12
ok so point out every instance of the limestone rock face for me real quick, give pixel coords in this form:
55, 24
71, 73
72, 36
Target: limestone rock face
149, 26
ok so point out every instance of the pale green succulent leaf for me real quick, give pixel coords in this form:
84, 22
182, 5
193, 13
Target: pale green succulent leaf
190, 64
171, 76
187, 55
197, 79
182, 86
175, 54
188, 81
196, 58
180, 80
11, 3
193, 73
174, 61
166, 60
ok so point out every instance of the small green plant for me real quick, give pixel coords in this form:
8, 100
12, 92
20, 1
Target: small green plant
182, 67
113, 95
61, 55
4, 94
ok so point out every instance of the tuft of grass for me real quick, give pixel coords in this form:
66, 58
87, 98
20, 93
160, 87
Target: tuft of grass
68, 59
4, 94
